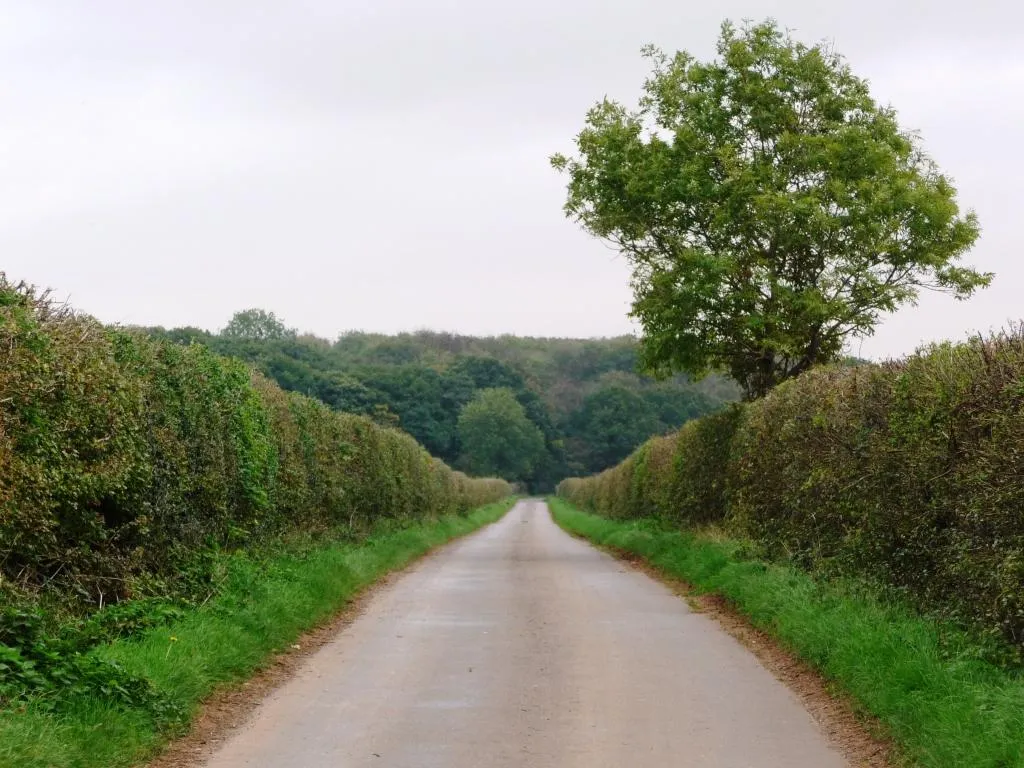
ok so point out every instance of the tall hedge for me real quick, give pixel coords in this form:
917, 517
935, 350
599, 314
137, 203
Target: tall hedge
123, 460
908, 473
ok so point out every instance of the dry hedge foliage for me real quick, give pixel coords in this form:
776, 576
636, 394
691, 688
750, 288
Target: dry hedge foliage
908, 473
124, 462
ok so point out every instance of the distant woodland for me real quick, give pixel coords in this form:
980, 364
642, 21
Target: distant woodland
561, 407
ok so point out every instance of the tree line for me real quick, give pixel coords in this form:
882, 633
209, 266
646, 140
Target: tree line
530, 410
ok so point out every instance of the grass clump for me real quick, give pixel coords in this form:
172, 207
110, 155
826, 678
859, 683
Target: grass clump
926, 681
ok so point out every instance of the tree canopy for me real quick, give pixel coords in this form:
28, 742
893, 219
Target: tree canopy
611, 423
769, 207
498, 440
256, 324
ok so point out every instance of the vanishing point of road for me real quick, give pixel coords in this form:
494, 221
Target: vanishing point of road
522, 646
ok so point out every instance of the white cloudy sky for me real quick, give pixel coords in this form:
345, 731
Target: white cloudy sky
382, 164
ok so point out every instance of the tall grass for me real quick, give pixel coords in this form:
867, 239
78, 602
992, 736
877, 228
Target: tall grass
263, 607
943, 705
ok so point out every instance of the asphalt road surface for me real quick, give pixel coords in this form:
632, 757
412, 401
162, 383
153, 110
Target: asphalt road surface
522, 646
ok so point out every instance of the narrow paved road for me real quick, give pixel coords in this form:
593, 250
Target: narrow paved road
521, 646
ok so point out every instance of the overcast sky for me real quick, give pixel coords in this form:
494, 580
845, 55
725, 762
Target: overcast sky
382, 164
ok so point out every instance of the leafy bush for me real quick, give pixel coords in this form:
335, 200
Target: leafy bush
910, 474
702, 451
57, 672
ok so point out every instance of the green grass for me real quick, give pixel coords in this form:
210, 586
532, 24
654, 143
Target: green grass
943, 705
262, 608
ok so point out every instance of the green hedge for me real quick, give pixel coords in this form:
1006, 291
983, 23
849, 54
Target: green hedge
123, 460
909, 473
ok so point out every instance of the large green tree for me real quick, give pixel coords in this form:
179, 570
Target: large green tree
769, 207
497, 438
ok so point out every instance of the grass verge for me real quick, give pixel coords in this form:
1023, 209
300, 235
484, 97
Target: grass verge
262, 608
943, 705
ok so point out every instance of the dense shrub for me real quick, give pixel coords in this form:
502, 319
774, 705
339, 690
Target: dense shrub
698, 478
800, 477
56, 671
123, 460
652, 487
909, 473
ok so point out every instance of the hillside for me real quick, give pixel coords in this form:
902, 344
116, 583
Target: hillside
585, 396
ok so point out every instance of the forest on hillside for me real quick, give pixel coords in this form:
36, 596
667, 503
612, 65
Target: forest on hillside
585, 406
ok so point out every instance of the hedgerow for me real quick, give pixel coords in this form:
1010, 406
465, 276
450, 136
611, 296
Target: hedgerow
127, 463
910, 474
